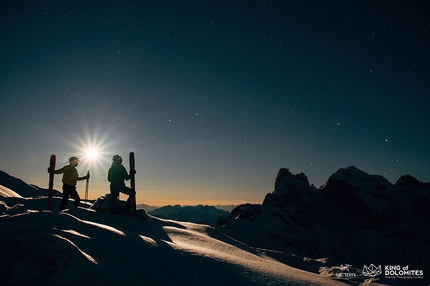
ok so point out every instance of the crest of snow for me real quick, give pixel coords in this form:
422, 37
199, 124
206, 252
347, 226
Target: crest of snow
86, 255
18, 185
148, 240
8, 193
75, 233
102, 226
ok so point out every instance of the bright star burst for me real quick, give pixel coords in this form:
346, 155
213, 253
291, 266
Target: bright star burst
92, 153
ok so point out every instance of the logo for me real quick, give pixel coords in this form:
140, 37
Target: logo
372, 270
345, 267
396, 271
393, 271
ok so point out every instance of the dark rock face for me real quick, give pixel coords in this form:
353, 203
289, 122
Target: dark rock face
365, 199
293, 195
421, 207
282, 174
290, 190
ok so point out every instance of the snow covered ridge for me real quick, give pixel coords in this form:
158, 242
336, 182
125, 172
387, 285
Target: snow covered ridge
25, 189
355, 218
82, 246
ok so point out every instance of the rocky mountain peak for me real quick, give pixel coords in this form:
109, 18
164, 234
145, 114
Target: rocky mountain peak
290, 190
407, 181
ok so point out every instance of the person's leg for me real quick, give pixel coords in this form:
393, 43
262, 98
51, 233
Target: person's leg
74, 194
127, 191
65, 198
113, 199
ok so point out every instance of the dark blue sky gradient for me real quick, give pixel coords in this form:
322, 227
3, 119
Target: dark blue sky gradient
215, 96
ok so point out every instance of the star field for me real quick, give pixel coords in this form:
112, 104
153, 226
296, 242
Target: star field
215, 96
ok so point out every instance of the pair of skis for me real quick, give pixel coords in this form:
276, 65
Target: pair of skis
132, 179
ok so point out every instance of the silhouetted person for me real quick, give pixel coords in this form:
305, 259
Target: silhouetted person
116, 176
70, 177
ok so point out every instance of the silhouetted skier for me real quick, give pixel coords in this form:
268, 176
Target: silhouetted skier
70, 177
116, 176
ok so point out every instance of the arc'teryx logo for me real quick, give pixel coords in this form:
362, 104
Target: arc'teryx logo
344, 267
372, 270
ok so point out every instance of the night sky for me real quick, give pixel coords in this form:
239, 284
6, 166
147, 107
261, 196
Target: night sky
214, 96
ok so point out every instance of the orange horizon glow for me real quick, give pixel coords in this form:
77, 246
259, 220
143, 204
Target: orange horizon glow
150, 197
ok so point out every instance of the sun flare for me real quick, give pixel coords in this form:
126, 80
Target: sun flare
92, 153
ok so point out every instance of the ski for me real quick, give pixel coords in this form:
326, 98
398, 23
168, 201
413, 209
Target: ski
86, 185
51, 180
133, 187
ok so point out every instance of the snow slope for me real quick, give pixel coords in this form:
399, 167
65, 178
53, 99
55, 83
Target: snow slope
85, 247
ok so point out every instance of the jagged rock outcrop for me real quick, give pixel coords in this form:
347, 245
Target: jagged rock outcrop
290, 190
352, 214
102, 204
284, 220
294, 195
